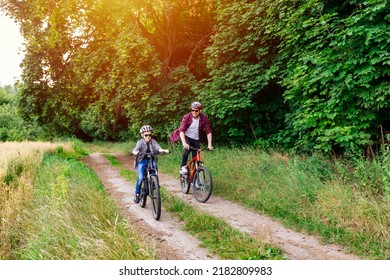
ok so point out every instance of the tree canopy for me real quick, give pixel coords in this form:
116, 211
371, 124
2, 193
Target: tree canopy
306, 75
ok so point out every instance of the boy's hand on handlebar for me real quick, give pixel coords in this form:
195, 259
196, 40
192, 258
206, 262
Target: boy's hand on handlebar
135, 153
209, 148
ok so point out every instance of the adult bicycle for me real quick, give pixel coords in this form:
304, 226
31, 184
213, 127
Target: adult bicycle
150, 185
198, 176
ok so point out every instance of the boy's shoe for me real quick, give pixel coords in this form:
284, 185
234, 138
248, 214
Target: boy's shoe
183, 170
136, 198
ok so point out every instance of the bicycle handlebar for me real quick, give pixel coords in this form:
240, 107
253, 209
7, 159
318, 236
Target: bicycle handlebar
149, 154
142, 155
199, 149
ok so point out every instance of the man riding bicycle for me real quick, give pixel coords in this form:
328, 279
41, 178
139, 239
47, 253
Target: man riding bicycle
144, 145
192, 125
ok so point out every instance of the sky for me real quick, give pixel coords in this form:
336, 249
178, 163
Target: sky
10, 51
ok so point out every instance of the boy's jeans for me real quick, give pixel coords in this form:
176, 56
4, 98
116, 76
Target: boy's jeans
141, 166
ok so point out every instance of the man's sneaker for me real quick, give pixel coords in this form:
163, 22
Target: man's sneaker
183, 170
136, 198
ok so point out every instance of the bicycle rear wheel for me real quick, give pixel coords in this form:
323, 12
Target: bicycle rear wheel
144, 193
203, 184
184, 183
155, 197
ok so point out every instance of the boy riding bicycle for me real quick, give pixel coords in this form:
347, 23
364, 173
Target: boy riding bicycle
144, 145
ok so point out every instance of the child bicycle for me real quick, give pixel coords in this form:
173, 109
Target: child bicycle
150, 185
198, 176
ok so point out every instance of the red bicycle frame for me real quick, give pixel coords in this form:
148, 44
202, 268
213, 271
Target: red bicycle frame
192, 164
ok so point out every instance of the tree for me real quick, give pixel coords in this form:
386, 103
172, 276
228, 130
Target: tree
309, 75
337, 78
242, 93
90, 66
12, 126
178, 30
82, 55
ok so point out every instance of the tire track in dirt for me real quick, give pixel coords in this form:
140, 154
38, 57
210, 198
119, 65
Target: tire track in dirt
296, 245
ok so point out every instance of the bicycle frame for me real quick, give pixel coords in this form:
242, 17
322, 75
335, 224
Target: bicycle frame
150, 169
193, 164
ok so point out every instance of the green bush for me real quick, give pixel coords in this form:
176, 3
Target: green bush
12, 126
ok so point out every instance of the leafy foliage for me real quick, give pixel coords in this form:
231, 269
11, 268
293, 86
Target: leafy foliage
302, 75
242, 91
12, 126
337, 77
91, 67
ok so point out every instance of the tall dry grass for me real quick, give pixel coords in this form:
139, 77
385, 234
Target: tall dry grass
73, 217
54, 207
18, 161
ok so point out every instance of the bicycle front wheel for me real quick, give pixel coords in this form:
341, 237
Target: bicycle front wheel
155, 197
203, 184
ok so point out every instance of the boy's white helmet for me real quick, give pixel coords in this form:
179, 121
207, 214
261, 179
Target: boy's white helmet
145, 128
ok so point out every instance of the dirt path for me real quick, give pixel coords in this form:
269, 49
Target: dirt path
173, 243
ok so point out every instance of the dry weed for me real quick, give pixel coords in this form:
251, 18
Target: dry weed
18, 161
340, 207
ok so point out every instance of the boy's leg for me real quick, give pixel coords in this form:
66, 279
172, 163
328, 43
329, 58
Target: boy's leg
141, 169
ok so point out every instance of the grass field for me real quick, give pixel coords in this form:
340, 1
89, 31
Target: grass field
53, 207
345, 202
